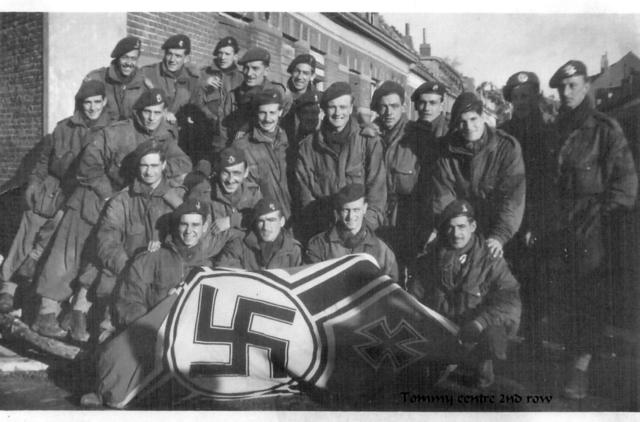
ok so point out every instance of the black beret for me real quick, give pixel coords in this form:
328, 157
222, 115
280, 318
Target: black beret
428, 88
467, 101
178, 41
265, 206
335, 90
231, 156
267, 96
520, 78
191, 206
226, 42
151, 97
255, 54
147, 147
349, 193
125, 45
387, 87
567, 70
90, 88
302, 58
310, 97
455, 208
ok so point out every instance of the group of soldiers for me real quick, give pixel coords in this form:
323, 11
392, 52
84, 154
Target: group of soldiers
164, 168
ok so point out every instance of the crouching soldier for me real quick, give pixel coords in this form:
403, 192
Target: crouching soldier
349, 235
268, 246
463, 281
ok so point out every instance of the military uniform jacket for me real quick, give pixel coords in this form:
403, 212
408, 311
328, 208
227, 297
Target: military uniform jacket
132, 218
152, 275
266, 159
491, 178
179, 90
121, 95
245, 253
239, 206
106, 166
328, 245
321, 172
481, 288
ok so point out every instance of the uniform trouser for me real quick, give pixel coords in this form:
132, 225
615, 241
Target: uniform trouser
62, 264
33, 236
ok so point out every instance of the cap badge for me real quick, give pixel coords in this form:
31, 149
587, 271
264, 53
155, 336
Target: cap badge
435, 87
464, 208
158, 98
180, 43
523, 77
137, 44
272, 207
231, 159
569, 69
197, 205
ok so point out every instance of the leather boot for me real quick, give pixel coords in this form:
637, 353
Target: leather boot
47, 325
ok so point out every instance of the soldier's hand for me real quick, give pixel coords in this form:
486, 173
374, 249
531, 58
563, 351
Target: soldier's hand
153, 246
171, 118
28, 194
470, 332
221, 224
214, 81
495, 247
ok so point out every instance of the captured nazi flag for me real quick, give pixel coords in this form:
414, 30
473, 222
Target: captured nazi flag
231, 334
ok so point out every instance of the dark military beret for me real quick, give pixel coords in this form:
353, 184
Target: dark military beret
90, 88
428, 88
520, 78
231, 156
125, 45
456, 208
226, 42
151, 97
467, 101
255, 54
387, 88
178, 41
567, 70
267, 96
191, 206
310, 97
349, 193
335, 90
302, 58
265, 206
148, 147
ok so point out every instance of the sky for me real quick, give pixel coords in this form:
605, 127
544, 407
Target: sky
492, 46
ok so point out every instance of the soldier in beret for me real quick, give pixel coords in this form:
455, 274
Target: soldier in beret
596, 182
428, 100
269, 245
350, 234
265, 147
178, 80
106, 166
303, 71
234, 196
237, 108
123, 82
337, 154
484, 166
462, 279
216, 83
52, 181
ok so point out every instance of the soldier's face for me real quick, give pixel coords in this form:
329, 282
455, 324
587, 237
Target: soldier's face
231, 177
573, 90
191, 228
225, 57
268, 115
127, 62
301, 76
429, 107
338, 111
153, 116
390, 109
92, 106
459, 231
471, 126
174, 58
269, 226
352, 214
150, 169
254, 73
524, 100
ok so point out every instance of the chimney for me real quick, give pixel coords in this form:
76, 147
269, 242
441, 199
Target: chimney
407, 36
425, 49
604, 62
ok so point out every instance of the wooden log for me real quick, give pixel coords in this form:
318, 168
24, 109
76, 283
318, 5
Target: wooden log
14, 327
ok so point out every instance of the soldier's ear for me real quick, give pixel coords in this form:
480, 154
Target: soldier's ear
473, 226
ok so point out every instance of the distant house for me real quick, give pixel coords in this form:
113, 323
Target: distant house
617, 83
